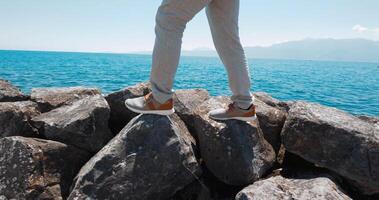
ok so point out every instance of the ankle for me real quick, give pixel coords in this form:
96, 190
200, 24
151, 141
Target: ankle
164, 102
161, 100
245, 108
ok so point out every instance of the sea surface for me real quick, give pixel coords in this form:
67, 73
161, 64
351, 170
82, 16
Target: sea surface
350, 86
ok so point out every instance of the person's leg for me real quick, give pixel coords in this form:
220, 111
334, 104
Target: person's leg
171, 20
223, 20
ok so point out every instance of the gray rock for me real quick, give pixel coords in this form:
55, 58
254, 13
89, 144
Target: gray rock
51, 98
83, 124
33, 168
269, 100
265, 97
335, 140
370, 119
185, 104
151, 158
9, 92
278, 187
15, 118
120, 115
271, 114
271, 120
234, 151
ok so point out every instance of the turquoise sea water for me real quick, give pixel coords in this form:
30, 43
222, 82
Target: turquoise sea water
351, 86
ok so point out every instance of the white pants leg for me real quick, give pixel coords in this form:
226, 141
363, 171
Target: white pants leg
171, 20
223, 21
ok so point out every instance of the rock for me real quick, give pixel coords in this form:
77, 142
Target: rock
51, 98
335, 140
15, 118
120, 115
271, 120
269, 100
9, 92
185, 104
234, 151
151, 158
33, 168
279, 188
266, 98
370, 119
83, 124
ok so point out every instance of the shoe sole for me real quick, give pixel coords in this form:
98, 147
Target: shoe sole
237, 118
157, 112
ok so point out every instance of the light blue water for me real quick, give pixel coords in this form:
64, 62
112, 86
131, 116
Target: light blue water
350, 86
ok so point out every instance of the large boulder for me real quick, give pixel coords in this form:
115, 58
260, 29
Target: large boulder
33, 168
15, 118
335, 140
151, 158
51, 98
278, 188
83, 124
271, 120
186, 102
234, 151
120, 115
9, 92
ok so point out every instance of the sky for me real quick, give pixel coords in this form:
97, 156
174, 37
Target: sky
128, 25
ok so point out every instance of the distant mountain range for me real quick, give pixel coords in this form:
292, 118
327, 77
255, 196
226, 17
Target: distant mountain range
310, 49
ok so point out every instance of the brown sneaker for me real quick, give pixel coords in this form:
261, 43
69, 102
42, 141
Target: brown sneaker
148, 105
234, 112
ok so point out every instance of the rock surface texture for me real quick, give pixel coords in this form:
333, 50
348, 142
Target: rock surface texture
185, 104
74, 143
269, 100
371, 120
50, 98
37, 169
83, 124
271, 120
120, 115
234, 151
278, 188
15, 118
9, 92
335, 140
151, 158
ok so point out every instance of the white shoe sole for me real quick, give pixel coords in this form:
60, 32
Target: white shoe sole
237, 118
157, 112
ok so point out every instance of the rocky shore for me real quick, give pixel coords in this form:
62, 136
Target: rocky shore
75, 143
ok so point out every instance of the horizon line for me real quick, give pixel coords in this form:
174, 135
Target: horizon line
193, 49
191, 56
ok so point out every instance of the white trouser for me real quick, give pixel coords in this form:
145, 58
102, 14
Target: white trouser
171, 20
